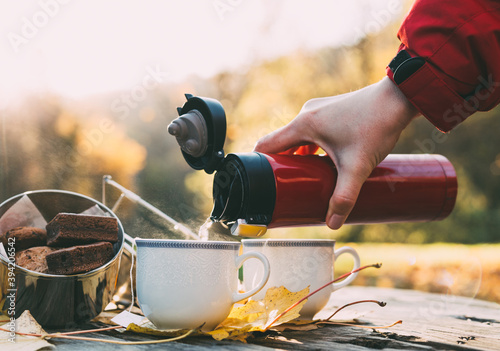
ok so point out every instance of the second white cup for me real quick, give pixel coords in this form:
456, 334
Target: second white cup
296, 264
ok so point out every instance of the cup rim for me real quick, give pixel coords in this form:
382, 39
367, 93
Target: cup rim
187, 244
288, 242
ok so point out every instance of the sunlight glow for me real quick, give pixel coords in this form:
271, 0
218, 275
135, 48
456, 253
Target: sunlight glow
77, 48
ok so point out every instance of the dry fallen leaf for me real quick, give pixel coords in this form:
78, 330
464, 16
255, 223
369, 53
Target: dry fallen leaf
257, 315
24, 324
149, 328
105, 318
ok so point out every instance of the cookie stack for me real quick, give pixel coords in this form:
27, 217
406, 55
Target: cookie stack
70, 244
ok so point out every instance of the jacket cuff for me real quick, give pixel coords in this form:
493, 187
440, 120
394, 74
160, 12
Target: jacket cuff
439, 103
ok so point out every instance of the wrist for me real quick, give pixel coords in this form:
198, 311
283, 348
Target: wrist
397, 103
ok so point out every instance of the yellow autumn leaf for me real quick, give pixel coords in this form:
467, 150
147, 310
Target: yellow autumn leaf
257, 315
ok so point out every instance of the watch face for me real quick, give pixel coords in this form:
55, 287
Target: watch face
407, 68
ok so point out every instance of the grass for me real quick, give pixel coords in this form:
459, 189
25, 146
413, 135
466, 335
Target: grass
464, 270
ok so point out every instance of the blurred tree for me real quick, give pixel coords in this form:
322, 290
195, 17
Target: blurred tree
48, 146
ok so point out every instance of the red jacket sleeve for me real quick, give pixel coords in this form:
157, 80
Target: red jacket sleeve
460, 42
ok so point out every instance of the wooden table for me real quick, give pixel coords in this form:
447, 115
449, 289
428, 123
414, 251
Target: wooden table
430, 322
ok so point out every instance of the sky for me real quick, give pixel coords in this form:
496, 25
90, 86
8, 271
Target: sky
77, 48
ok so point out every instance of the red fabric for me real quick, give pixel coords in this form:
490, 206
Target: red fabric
460, 41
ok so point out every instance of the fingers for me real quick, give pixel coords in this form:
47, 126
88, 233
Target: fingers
298, 132
280, 140
344, 197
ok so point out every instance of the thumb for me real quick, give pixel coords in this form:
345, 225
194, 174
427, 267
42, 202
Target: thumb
345, 194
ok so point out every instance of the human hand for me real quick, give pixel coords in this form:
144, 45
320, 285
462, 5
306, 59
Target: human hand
357, 130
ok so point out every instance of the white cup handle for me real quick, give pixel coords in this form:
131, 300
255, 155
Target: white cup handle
355, 256
239, 261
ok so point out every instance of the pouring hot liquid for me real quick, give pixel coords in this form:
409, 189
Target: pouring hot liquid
255, 191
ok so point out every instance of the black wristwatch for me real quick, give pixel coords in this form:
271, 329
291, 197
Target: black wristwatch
403, 66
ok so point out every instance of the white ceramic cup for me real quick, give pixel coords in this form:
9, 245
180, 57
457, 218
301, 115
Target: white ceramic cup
185, 284
296, 264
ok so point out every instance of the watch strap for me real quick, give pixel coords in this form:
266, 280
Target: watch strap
403, 66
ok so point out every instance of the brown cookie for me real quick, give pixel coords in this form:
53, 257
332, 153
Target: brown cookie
24, 237
69, 229
79, 259
34, 258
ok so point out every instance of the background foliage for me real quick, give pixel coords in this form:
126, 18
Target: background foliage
49, 142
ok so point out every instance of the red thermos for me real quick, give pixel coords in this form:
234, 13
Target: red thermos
254, 191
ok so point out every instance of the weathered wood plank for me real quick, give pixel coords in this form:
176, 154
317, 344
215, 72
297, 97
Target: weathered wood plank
430, 322
438, 319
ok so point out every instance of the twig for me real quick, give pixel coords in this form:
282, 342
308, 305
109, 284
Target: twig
376, 265
380, 303
91, 330
70, 333
68, 336
360, 326
122, 342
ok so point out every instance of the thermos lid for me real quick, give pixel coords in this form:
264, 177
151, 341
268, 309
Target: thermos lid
200, 131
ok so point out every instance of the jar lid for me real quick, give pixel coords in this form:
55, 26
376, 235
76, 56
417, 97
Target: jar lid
200, 131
